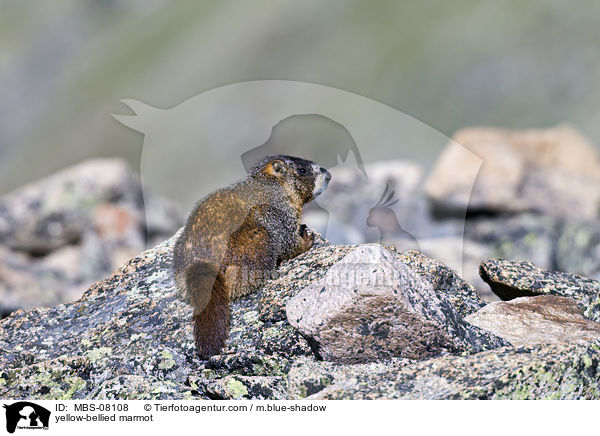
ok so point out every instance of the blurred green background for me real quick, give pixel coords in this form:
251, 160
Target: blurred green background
64, 65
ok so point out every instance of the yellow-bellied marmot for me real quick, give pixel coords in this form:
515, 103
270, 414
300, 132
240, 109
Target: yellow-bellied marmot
237, 235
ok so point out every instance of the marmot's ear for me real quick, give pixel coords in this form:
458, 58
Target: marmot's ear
275, 168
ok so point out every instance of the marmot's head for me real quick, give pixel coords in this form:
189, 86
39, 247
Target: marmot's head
301, 178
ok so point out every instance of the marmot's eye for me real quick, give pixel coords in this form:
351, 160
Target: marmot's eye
302, 171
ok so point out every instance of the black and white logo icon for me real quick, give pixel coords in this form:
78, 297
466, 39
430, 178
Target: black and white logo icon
26, 415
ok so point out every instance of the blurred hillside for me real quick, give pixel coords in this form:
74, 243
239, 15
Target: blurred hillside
65, 65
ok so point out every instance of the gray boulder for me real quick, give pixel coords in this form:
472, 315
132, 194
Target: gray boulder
444, 280
513, 279
371, 306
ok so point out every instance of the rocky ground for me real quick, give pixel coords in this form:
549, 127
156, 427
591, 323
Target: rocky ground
367, 319
424, 334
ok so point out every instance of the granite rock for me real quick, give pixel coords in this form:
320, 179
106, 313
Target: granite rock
537, 320
513, 279
370, 306
556, 371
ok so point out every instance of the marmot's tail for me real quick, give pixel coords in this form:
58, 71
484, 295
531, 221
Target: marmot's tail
209, 296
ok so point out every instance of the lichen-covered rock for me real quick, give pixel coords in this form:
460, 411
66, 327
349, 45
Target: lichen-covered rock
137, 387
513, 279
554, 171
545, 241
130, 336
372, 306
238, 387
555, 371
308, 376
536, 320
130, 324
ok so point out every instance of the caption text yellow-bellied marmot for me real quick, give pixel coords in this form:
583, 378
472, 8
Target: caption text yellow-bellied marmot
238, 235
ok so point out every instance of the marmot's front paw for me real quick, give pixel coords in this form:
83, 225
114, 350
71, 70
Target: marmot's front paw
308, 238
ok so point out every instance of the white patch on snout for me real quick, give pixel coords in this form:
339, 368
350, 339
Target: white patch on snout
320, 181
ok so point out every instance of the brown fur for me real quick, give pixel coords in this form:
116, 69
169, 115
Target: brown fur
237, 235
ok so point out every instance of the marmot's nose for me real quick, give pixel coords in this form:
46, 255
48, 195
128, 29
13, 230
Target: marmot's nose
327, 174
